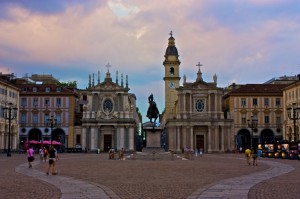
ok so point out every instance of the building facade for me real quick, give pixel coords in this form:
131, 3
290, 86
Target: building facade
9, 98
110, 118
291, 109
193, 116
261, 102
47, 112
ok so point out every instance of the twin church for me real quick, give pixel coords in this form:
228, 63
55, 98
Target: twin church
193, 116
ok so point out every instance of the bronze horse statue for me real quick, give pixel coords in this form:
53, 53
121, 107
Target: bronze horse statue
152, 112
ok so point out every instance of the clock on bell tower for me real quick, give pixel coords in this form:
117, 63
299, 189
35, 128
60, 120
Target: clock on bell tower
171, 78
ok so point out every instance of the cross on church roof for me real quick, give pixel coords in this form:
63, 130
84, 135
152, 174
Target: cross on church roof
107, 65
199, 65
171, 33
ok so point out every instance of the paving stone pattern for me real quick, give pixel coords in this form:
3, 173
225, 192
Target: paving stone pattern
95, 176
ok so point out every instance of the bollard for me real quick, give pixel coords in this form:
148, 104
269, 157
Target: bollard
153, 155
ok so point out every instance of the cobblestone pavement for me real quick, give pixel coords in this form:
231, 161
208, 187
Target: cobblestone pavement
16, 185
146, 178
281, 187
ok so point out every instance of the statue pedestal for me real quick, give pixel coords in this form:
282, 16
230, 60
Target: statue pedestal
153, 136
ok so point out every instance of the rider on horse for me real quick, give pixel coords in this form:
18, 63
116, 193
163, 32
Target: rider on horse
152, 110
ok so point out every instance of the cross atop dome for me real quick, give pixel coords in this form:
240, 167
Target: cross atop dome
107, 65
199, 65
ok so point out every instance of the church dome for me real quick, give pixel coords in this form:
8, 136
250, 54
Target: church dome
171, 50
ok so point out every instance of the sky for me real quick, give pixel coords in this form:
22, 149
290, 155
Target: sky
241, 41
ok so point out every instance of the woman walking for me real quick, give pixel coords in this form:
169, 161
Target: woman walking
52, 160
30, 157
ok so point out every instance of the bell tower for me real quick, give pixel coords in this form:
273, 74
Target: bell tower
171, 78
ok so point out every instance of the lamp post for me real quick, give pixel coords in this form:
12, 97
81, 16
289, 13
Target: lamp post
9, 113
252, 123
52, 123
294, 117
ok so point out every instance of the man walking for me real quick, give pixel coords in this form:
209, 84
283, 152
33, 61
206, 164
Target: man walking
247, 155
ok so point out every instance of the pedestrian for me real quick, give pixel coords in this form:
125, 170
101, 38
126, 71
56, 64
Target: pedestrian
254, 156
56, 154
30, 156
41, 152
248, 155
258, 154
52, 161
201, 152
45, 154
121, 154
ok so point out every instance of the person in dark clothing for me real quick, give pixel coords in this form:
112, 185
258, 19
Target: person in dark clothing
254, 156
52, 160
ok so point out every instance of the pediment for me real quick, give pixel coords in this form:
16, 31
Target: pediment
202, 85
107, 86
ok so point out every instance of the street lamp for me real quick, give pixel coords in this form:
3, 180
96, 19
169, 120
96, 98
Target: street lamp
294, 117
252, 123
9, 113
52, 123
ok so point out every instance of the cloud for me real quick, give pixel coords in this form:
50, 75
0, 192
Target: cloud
121, 9
233, 39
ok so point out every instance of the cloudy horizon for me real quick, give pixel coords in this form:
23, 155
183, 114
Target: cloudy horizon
241, 41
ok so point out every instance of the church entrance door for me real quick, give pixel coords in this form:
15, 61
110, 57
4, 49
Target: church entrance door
107, 142
200, 142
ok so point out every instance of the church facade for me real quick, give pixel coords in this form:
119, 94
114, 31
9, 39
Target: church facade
193, 116
110, 119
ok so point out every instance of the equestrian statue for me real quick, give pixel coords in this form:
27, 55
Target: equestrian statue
152, 112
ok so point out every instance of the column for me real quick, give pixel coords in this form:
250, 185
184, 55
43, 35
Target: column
92, 147
83, 138
217, 139
209, 139
222, 138
88, 138
131, 138
14, 145
184, 133
178, 139
184, 102
115, 138
216, 103
191, 103
99, 138
121, 138
192, 137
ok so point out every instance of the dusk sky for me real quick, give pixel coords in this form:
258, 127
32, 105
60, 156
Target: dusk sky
241, 41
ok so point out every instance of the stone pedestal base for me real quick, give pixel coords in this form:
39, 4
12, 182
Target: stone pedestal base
153, 136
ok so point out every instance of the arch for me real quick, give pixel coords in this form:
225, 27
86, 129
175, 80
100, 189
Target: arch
243, 139
172, 72
267, 136
58, 134
35, 134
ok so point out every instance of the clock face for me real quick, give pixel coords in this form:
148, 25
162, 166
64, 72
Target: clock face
199, 105
107, 105
172, 85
